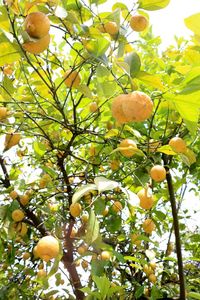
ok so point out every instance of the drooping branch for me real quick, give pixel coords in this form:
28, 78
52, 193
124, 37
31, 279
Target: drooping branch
176, 228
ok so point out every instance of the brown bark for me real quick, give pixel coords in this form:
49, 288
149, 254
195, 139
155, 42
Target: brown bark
176, 229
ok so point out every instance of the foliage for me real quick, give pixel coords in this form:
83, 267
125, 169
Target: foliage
66, 151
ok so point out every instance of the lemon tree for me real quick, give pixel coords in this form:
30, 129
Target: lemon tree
99, 155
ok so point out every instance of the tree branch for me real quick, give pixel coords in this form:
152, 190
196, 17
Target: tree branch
37, 222
176, 228
68, 261
68, 258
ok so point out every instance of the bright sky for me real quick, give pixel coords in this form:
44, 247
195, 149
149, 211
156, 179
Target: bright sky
169, 21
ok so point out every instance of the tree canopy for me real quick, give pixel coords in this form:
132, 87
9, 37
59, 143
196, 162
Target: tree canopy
99, 153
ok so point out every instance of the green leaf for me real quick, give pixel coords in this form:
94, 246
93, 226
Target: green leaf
195, 238
87, 290
97, 267
139, 292
39, 148
92, 230
152, 80
194, 295
160, 215
114, 289
122, 7
114, 223
99, 206
106, 85
153, 4
119, 256
191, 82
82, 191
9, 52
103, 284
155, 293
56, 263
97, 1
188, 107
134, 62
97, 47
193, 23
103, 184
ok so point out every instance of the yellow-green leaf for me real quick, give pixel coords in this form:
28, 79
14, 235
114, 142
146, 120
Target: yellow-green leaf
152, 80
92, 231
136, 150
111, 133
189, 157
193, 23
166, 149
153, 4
4, 21
188, 105
9, 52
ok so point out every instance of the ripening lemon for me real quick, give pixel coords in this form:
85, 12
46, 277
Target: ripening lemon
146, 200
75, 209
178, 145
22, 229
138, 23
111, 28
11, 140
129, 146
47, 248
85, 218
13, 194
92, 151
35, 253
134, 239
116, 109
149, 226
85, 264
147, 270
133, 107
93, 107
7, 70
115, 164
37, 24
38, 46
26, 255
3, 112
152, 265
72, 78
105, 255
105, 212
117, 206
170, 248
152, 278
158, 173
44, 180
18, 215
41, 273
24, 199
82, 249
